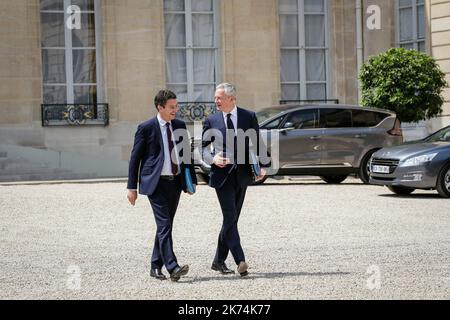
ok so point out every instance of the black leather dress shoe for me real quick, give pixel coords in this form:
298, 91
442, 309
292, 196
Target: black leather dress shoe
178, 272
156, 273
222, 268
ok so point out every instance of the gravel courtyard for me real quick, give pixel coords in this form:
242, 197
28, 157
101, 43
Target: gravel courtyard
303, 240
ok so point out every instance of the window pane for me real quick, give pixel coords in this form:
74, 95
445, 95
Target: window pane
314, 6
335, 118
314, 30
52, 26
173, 5
315, 65
55, 94
180, 91
202, 5
422, 46
85, 37
52, 5
289, 31
288, 6
406, 29
404, 3
85, 94
54, 66
203, 30
204, 93
420, 2
204, 66
85, 5
290, 92
175, 30
290, 65
176, 66
408, 46
305, 119
316, 91
84, 66
420, 22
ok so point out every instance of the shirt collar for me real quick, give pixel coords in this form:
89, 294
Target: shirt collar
161, 121
233, 112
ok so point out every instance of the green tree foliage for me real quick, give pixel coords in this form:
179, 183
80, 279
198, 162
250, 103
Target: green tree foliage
405, 81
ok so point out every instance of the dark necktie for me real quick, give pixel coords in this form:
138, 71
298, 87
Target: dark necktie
231, 127
171, 146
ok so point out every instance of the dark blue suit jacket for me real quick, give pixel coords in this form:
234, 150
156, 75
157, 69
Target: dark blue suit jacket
246, 120
147, 157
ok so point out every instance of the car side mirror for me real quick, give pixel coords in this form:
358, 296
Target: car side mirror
288, 126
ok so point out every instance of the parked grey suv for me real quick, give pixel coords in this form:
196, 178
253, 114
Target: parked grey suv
330, 141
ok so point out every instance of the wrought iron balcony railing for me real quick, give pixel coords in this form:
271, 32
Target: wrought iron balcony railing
332, 101
75, 114
195, 111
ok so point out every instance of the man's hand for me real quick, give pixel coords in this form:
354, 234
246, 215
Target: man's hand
262, 174
220, 161
132, 196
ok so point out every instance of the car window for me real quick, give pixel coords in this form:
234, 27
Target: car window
441, 135
266, 114
363, 118
303, 119
273, 124
335, 118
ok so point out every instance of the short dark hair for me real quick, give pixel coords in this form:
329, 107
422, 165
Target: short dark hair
162, 96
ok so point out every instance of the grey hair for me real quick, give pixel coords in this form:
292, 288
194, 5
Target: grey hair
229, 89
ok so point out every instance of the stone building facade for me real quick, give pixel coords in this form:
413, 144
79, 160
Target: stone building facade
126, 50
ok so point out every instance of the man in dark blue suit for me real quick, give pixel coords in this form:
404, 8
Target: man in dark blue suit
157, 165
231, 172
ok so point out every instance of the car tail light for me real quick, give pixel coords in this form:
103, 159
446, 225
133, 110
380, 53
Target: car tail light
397, 129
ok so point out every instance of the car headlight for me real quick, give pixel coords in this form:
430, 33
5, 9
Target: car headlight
419, 160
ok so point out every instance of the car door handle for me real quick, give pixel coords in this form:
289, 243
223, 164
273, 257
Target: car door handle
359, 136
315, 137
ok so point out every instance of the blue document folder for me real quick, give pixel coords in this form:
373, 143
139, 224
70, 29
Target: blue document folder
189, 185
256, 169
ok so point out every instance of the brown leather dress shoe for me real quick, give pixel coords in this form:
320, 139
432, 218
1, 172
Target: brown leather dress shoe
242, 268
157, 273
221, 267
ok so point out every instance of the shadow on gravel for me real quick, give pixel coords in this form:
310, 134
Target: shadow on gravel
257, 275
413, 196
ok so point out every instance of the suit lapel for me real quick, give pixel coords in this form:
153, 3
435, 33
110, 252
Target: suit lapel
157, 127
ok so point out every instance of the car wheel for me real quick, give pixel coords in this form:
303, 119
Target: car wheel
403, 191
364, 167
259, 182
203, 177
333, 179
443, 182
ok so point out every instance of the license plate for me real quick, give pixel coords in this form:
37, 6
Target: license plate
380, 169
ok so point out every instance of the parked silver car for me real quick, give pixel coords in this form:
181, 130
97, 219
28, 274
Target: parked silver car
330, 141
422, 164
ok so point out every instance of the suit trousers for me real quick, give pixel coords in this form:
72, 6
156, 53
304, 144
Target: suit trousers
164, 202
231, 198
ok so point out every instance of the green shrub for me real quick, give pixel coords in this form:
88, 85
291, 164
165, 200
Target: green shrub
405, 81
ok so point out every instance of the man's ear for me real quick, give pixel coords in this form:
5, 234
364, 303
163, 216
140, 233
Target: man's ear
160, 107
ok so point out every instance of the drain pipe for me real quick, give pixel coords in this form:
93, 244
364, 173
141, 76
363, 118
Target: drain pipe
359, 42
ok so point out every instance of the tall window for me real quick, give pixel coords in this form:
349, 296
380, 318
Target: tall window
191, 48
304, 49
70, 56
411, 24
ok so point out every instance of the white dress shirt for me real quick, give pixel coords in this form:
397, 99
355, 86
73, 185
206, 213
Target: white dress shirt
167, 167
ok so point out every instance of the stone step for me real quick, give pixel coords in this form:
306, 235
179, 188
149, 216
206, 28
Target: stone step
28, 171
